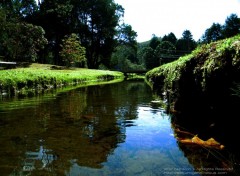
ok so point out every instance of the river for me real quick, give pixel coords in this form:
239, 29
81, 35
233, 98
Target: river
102, 130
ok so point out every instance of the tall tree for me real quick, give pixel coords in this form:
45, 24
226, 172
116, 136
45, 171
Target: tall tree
54, 17
127, 36
94, 21
151, 61
170, 38
185, 44
19, 8
232, 26
165, 51
104, 20
154, 42
23, 41
214, 33
20, 41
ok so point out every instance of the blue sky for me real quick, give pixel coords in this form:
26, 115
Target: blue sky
160, 17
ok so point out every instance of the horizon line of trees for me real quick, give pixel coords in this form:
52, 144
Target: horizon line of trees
161, 50
90, 34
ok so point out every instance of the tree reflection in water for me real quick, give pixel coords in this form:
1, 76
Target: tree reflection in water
82, 126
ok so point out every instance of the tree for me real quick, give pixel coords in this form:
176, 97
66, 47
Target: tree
165, 51
214, 33
20, 40
2, 30
154, 42
185, 44
55, 17
170, 38
19, 8
94, 21
72, 51
23, 41
232, 26
127, 36
151, 61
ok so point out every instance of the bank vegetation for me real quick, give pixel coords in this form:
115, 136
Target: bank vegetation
206, 77
39, 77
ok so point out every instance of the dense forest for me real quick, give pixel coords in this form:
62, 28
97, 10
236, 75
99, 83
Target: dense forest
90, 34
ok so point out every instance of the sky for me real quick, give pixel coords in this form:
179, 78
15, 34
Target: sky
160, 17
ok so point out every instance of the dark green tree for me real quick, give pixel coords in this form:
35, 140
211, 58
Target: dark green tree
54, 16
214, 33
166, 52
154, 42
23, 41
19, 40
151, 61
19, 9
125, 59
231, 26
170, 38
94, 21
185, 44
127, 36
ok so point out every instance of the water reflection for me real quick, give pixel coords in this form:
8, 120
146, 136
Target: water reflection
97, 130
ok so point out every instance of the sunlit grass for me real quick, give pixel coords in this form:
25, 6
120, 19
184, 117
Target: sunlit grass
41, 76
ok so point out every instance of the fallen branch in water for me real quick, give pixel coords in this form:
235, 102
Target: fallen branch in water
195, 140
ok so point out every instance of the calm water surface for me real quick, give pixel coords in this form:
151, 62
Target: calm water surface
106, 130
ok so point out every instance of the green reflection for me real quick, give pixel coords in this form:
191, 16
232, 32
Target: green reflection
45, 134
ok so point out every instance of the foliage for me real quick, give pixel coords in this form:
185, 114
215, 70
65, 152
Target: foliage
72, 51
42, 76
158, 50
149, 58
236, 89
100, 28
124, 58
213, 33
170, 38
127, 36
165, 49
17, 9
22, 41
186, 43
210, 69
154, 42
94, 22
217, 31
232, 26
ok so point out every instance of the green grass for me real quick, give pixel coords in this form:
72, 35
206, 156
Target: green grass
42, 76
204, 60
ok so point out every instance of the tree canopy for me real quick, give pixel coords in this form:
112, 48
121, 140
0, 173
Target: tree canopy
34, 32
96, 23
218, 31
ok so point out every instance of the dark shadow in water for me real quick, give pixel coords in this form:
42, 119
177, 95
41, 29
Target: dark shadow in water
218, 121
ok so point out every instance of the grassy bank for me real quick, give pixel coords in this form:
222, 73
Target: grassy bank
211, 72
205, 62
38, 77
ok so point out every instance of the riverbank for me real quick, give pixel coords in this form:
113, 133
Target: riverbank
40, 77
202, 91
207, 77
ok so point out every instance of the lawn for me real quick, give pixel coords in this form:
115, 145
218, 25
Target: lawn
45, 76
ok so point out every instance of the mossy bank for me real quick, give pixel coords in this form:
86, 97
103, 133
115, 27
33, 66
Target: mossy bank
39, 77
206, 78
